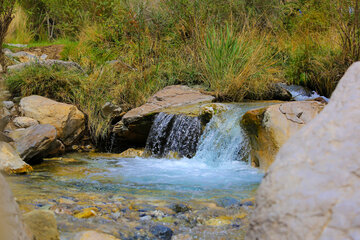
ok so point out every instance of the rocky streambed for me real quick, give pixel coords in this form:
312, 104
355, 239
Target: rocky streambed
208, 196
195, 179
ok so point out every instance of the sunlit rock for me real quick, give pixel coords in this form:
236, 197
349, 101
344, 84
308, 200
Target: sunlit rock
67, 119
311, 191
269, 128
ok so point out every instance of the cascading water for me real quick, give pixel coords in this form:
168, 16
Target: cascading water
223, 140
173, 133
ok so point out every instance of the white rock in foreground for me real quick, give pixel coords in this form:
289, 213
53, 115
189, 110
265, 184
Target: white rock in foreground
312, 189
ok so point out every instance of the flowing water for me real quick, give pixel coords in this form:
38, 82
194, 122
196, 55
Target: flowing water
129, 195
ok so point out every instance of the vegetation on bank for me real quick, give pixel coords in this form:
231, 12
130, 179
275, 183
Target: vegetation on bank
235, 49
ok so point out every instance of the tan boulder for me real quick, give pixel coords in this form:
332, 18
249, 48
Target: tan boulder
42, 225
10, 161
67, 119
311, 191
135, 124
269, 128
93, 235
11, 225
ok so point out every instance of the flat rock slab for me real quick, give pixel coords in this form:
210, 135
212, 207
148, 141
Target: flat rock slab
171, 96
135, 124
311, 191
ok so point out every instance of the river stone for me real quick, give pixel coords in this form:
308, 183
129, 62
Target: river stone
10, 161
42, 224
93, 235
161, 232
269, 128
24, 122
312, 189
135, 124
8, 104
11, 225
67, 119
34, 141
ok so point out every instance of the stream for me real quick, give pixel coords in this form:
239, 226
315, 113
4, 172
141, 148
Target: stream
208, 196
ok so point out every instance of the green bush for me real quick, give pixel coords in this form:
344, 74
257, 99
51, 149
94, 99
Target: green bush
54, 82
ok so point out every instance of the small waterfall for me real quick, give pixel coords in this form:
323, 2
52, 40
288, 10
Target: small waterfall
223, 139
173, 134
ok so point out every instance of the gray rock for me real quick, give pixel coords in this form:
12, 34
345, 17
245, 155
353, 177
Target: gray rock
49, 62
110, 109
8, 104
34, 141
161, 232
311, 191
227, 202
11, 225
18, 45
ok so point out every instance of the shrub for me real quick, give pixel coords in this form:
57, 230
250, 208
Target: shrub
54, 82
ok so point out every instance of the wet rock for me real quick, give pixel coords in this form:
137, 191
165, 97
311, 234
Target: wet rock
135, 124
219, 221
67, 119
34, 141
161, 232
131, 153
87, 213
11, 225
179, 207
25, 122
278, 92
227, 202
42, 224
312, 189
269, 128
10, 161
93, 235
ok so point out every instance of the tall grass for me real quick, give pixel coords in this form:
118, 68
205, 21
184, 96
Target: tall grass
19, 31
239, 65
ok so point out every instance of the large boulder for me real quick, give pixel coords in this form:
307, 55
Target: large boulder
35, 141
11, 225
67, 119
10, 161
42, 225
135, 124
269, 128
311, 191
